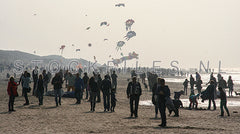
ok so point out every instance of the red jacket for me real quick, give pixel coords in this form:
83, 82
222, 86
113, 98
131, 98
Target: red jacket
12, 86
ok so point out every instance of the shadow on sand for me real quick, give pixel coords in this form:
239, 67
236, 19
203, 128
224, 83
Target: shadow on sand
186, 127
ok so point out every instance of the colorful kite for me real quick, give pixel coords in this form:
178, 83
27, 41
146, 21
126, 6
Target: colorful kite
62, 48
129, 35
120, 45
130, 56
129, 24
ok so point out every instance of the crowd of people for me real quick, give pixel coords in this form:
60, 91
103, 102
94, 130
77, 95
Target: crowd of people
92, 86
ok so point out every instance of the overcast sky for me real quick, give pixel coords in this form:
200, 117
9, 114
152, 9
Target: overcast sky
184, 30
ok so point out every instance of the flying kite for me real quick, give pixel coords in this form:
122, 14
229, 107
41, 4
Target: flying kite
129, 24
129, 35
61, 48
88, 28
120, 4
119, 45
121, 54
105, 39
77, 50
130, 56
104, 23
89, 44
73, 45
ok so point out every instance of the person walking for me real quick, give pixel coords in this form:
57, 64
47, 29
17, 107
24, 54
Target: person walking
223, 102
134, 91
57, 85
93, 87
79, 86
114, 80
85, 81
12, 93
163, 92
40, 89
106, 89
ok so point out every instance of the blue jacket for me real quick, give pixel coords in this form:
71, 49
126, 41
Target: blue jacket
79, 84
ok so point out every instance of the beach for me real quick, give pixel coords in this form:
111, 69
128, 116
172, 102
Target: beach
72, 118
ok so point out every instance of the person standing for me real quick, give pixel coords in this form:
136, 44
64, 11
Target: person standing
106, 88
12, 92
57, 85
35, 79
154, 96
79, 86
40, 89
85, 81
134, 91
230, 85
185, 84
162, 93
45, 80
192, 82
114, 80
222, 83
223, 102
26, 88
93, 87
71, 79
199, 84
210, 90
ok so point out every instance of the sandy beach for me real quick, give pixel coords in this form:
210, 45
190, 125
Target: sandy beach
72, 118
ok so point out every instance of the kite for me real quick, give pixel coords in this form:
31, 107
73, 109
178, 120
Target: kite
119, 45
34, 52
121, 54
104, 23
77, 50
73, 45
130, 56
120, 4
129, 35
89, 44
88, 28
105, 39
61, 48
109, 56
129, 24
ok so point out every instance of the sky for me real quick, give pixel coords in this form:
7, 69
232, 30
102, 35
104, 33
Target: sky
187, 31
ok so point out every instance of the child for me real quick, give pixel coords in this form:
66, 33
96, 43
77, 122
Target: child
223, 102
113, 99
12, 92
193, 100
